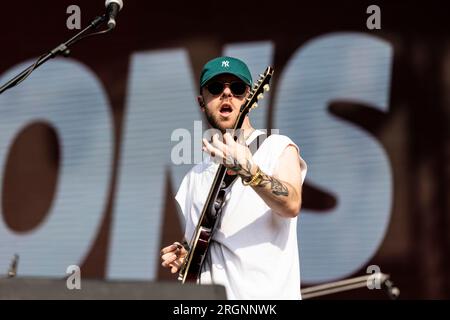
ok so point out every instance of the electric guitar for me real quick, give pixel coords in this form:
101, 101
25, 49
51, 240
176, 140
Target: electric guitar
193, 262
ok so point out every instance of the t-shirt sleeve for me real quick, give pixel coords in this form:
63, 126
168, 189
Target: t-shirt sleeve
182, 198
279, 144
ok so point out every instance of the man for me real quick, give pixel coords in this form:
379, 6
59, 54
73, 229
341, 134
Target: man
253, 252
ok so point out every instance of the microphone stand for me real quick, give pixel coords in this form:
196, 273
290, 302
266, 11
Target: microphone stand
12, 271
350, 284
62, 49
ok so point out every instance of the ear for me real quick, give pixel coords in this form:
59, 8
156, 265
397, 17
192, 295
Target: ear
201, 102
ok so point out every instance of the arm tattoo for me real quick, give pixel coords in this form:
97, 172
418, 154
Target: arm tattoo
277, 187
246, 173
236, 166
243, 172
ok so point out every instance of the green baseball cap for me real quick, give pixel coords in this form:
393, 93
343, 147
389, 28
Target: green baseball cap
223, 65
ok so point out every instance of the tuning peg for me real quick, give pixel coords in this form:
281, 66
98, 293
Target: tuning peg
254, 106
266, 88
260, 96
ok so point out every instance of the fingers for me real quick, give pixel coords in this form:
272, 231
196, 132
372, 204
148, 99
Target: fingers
173, 261
175, 266
217, 143
212, 150
169, 249
230, 153
168, 259
227, 137
175, 248
230, 141
172, 256
219, 148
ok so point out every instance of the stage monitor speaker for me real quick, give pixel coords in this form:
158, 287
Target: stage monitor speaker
57, 289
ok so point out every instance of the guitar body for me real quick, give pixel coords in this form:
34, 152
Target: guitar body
192, 266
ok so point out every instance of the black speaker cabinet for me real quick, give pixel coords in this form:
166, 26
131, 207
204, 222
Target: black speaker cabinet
57, 289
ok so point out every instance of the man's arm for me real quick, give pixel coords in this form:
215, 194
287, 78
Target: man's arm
281, 191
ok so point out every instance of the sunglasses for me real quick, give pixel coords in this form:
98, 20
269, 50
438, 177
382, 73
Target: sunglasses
238, 88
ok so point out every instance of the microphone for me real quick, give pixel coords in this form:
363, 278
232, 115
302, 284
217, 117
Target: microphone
112, 8
12, 271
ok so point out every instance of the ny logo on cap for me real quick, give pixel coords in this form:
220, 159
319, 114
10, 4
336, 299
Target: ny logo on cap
225, 64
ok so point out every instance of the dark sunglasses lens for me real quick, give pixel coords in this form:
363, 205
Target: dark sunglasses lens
215, 88
238, 88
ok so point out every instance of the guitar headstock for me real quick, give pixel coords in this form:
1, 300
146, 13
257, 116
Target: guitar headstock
261, 86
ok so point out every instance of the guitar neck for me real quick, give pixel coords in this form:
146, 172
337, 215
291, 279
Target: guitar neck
207, 220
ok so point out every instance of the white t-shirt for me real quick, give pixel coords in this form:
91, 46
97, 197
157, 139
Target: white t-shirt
254, 251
